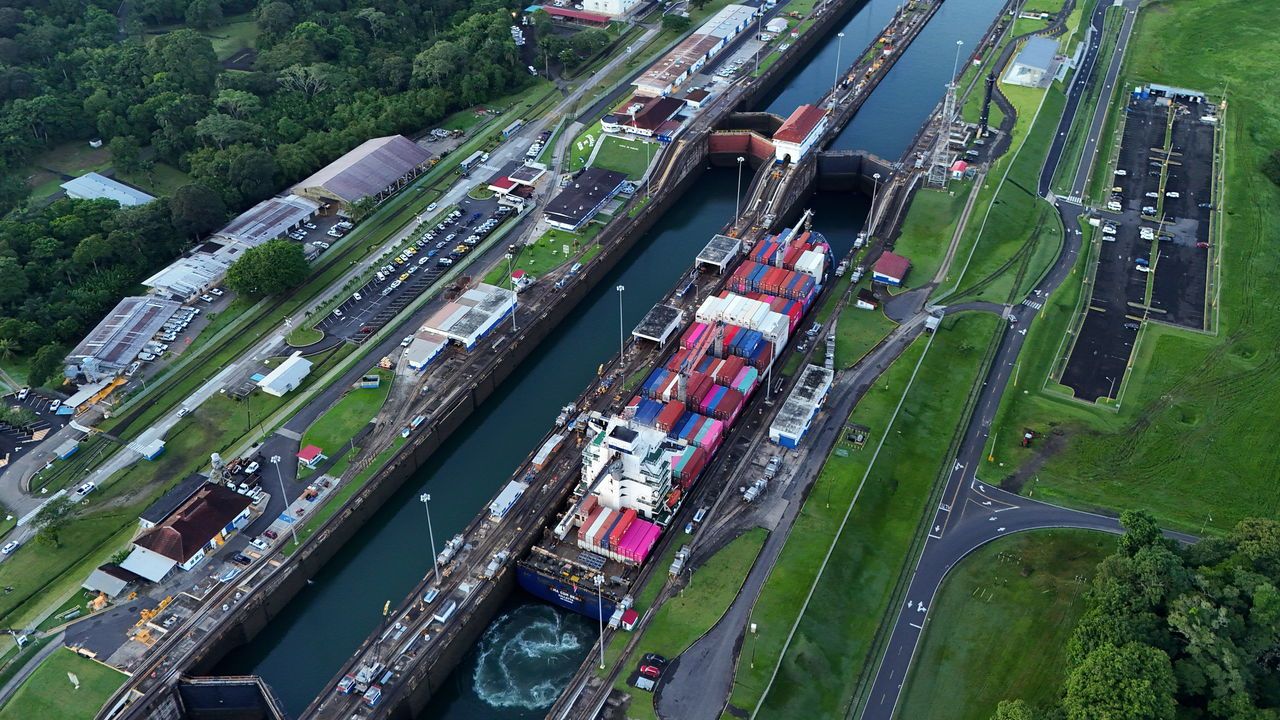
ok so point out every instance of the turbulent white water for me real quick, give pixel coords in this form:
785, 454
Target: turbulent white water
527, 655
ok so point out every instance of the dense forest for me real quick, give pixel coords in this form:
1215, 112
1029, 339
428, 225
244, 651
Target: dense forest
1169, 631
328, 75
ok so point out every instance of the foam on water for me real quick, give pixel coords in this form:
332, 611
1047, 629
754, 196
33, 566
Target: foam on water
527, 655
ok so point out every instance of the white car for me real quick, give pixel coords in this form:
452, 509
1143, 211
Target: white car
86, 488
207, 298
9, 547
321, 245
432, 207
252, 468
260, 544
405, 342
217, 291
1143, 268
146, 357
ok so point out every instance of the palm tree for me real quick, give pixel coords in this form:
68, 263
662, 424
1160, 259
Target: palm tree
8, 346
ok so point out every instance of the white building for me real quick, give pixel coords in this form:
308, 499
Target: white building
269, 220
475, 313
187, 535
92, 186
797, 413
612, 8
799, 133
286, 376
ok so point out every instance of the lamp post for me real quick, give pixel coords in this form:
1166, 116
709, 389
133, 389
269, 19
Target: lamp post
754, 634
600, 618
275, 460
955, 65
875, 192
515, 302
836, 79
426, 503
737, 205
622, 343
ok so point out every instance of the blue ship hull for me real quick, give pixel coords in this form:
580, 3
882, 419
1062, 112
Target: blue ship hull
581, 599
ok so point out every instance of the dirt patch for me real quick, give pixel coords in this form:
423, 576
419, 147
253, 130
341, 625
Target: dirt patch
241, 60
1052, 444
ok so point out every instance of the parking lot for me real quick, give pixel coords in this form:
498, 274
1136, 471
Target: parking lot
13, 440
431, 250
1155, 240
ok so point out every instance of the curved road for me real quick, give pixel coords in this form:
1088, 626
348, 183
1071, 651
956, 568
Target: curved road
973, 513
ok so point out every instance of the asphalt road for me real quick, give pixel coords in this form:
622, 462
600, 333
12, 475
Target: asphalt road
973, 513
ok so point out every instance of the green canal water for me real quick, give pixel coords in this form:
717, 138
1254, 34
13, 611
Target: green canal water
524, 658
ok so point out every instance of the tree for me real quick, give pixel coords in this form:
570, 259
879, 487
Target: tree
196, 210
14, 288
237, 103
126, 154
310, 80
677, 23
1009, 709
1271, 167
8, 346
45, 364
51, 519
186, 58
275, 18
204, 14
361, 208
1133, 682
269, 269
1140, 531
223, 130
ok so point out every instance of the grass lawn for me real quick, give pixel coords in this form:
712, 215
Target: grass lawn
232, 37
340, 496
1193, 401
687, 616
159, 179
1018, 234
833, 643
1017, 593
352, 412
79, 601
581, 147
927, 230
547, 254
857, 332
1038, 6
17, 366
624, 156
48, 693
304, 336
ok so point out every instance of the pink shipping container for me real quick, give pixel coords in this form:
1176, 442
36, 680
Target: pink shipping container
711, 437
638, 541
692, 335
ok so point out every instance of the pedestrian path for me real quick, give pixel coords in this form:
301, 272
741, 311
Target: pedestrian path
1033, 304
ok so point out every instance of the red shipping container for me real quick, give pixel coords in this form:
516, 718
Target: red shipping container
615, 535
591, 518
697, 388
729, 370
585, 508
675, 361
789, 262
729, 332
598, 537
730, 405
669, 415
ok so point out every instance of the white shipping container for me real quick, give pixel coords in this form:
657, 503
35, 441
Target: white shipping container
710, 310
811, 263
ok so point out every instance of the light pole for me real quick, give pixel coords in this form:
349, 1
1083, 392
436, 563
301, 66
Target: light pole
836, 80
275, 460
622, 343
515, 301
737, 204
754, 634
600, 618
1112, 392
875, 192
426, 503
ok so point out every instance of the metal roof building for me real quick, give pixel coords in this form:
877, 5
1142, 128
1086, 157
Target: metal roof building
475, 313
793, 419
720, 252
109, 348
726, 24
92, 186
579, 202
672, 69
269, 219
199, 524
376, 167
286, 376
658, 324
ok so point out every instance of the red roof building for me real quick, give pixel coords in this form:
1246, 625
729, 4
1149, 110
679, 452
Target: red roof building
579, 16
958, 169
799, 132
501, 185
310, 455
200, 524
891, 269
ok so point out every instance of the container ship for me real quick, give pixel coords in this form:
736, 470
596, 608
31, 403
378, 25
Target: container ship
638, 465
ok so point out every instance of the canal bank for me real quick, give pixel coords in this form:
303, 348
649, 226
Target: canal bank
302, 646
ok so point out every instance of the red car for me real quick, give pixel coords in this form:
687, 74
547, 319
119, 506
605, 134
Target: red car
651, 671
271, 534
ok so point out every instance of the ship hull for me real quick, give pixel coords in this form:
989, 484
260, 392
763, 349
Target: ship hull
580, 599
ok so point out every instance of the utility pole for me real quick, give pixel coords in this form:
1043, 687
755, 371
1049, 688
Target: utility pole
600, 617
426, 503
836, 80
737, 205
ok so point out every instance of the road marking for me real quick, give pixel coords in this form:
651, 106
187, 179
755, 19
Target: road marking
918, 627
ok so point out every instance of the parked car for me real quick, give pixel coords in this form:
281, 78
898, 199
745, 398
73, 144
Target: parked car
86, 488
271, 534
207, 298
260, 544
9, 547
217, 291
405, 342
146, 357
240, 559
321, 245
252, 468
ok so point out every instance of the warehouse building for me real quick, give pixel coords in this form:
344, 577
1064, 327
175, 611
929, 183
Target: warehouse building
1034, 63
424, 348
109, 348
467, 319
184, 538
594, 18
799, 133
286, 377
376, 168
802, 405
578, 203
719, 254
659, 324
269, 220
92, 186
672, 69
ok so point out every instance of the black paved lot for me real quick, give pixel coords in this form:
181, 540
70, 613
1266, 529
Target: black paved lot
1102, 350
1178, 292
363, 317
